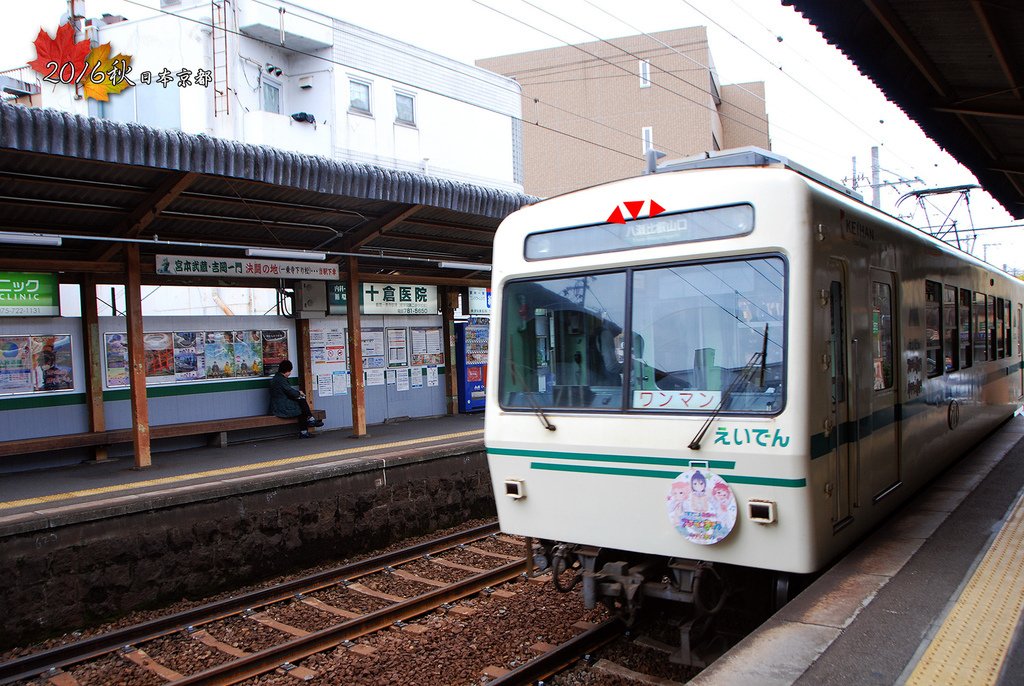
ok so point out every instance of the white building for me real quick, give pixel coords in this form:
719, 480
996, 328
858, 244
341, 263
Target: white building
282, 75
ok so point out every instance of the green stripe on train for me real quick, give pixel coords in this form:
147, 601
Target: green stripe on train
628, 459
657, 474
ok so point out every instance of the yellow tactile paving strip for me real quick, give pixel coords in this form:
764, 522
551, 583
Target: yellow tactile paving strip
972, 643
240, 469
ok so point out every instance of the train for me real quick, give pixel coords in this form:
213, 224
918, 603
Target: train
729, 362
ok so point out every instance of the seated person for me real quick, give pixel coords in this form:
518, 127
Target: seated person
287, 401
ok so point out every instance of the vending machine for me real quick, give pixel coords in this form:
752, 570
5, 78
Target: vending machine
471, 364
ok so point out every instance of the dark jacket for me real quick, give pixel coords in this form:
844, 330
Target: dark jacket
283, 396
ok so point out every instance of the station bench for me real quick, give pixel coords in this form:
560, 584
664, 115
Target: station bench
217, 429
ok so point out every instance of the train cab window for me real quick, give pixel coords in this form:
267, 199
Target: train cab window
966, 298
709, 335
562, 343
991, 316
881, 334
950, 329
933, 327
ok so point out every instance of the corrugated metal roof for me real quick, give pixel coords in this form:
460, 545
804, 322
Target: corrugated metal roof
954, 66
79, 176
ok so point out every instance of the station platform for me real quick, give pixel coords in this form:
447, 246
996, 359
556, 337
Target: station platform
933, 597
49, 493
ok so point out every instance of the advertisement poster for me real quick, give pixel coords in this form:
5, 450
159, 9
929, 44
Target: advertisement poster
220, 355
189, 356
159, 357
431, 376
184, 356
340, 382
416, 380
117, 359
373, 343
275, 349
248, 348
398, 347
51, 363
375, 377
425, 344
30, 364
15, 365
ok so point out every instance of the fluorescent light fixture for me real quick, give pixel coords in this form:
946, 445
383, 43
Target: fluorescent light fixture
29, 238
285, 254
471, 266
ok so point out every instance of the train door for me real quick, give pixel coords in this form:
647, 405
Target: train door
836, 425
879, 456
1018, 335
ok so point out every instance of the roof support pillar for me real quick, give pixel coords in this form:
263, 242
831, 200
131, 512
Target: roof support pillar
355, 349
303, 361
449, 301
137, 359
93, 352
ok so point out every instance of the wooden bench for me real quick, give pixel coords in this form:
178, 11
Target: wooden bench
216, 428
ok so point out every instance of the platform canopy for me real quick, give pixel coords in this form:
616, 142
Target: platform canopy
956, 67
94, 181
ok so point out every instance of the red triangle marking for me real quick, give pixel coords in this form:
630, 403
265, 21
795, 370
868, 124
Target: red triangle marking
616, 217
634, 207
656, 209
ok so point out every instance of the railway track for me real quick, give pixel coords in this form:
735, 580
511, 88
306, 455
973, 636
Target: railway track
393, 597
50, 664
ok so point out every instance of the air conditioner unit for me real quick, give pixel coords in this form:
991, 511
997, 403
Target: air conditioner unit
310, 300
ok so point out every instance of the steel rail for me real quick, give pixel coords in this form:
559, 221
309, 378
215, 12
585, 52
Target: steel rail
266, 660
562, 656
32, 665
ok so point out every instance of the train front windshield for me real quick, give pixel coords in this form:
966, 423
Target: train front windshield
690, 338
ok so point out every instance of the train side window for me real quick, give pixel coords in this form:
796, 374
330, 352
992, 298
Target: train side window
950, 329
966, 298
1008, 347
933, 327
980, 328
991, 317
881, 334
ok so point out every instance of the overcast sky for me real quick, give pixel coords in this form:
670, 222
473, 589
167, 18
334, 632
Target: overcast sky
821, 111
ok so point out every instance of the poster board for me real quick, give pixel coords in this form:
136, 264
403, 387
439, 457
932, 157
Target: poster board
425, 344
36, 364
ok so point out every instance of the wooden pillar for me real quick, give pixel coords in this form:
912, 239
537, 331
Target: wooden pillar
449, 301
137, 359
94, 355
303, 360
355, 350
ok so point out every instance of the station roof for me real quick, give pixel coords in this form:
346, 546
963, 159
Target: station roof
79, 176
954, 66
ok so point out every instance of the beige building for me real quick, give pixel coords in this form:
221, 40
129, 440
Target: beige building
590, 111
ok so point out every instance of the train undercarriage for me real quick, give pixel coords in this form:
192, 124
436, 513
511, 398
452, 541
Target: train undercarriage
699, 594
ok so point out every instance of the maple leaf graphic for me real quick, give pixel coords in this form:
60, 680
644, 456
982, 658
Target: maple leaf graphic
61, 49
99, 81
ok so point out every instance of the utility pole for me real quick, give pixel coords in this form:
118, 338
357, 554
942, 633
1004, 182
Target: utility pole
876, 201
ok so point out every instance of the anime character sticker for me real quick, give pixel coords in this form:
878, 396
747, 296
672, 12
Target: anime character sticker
701, 506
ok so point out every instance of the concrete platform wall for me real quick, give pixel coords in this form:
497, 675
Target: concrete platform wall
79, 565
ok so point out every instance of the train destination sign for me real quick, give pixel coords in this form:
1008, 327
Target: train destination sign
29, 295
663, 229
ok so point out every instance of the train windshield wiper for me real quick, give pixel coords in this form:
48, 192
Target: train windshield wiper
745, 375
539, 412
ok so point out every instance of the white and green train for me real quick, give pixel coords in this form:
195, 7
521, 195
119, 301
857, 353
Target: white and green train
730, 361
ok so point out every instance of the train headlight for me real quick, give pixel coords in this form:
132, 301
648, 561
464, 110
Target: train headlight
762, 511
515, 488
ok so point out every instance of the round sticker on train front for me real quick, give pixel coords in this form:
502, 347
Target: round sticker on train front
701, 506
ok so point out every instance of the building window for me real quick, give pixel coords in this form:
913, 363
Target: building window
647, 134
645, 74
359, 96
271, 96
405, 109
